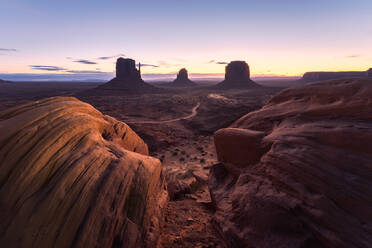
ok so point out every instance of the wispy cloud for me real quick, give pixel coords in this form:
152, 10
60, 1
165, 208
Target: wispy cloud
148, 65
84, 71
47, 68
85, 61
8, 50
353, 56
218, 62
111, 57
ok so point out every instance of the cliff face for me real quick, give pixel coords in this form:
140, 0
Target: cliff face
237, 76
369, 73
297, 173
71, 176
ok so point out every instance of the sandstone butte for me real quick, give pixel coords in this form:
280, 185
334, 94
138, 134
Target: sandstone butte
182, 79
298, 172
237, 76
73, 177
128, 80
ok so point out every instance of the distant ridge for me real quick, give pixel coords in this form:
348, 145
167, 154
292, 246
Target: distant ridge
324, 75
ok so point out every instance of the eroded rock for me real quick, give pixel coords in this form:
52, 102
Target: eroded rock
127, 81
305, 179
237, 75
73, 177
182, 79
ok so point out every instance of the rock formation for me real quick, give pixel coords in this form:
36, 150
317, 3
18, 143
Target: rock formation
369, 73
237, 76
322, 75
128, 80
297, 173
73, 177
182, 79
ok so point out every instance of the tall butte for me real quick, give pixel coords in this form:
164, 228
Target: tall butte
182, 79
369, 73
128, 80
237, 76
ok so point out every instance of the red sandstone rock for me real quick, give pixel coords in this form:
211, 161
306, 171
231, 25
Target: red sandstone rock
73, 177
306, 177
237, 76
182, 79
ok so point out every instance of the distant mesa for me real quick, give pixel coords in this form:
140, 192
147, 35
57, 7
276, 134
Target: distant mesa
369, 73
128, 80
182, 79
237, 76
324, 75
3, 81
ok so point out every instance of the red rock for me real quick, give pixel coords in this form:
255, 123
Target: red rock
182, 79
73, 177
237, 76
305, 180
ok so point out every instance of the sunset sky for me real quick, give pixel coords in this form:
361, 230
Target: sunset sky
284, 37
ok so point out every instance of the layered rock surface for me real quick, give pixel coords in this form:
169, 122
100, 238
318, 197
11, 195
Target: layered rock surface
182, 79
297, 173
128, 80
73, 177
237, 75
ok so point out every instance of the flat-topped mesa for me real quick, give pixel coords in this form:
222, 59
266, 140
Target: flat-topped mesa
237, 76
183, 79
126, 68
329, 75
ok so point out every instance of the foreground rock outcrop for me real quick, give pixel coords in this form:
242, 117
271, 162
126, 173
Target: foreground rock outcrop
128, 80
73, 177
369, 73
298, 172
237, 76
182, 79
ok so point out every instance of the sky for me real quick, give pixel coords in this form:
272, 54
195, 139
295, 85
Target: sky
83, 38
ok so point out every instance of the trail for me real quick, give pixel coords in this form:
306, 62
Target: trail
194, 111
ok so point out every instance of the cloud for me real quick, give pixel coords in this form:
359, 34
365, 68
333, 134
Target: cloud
217, 62
353, 56
111, 57
148, 65
84, 71
8, 50
85, 61
47, 68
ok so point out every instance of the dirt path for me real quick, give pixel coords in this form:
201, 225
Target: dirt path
194, 111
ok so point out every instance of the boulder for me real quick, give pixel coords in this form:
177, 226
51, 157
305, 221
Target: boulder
182, 79
297, 173
73, 177
237, 76
127, 81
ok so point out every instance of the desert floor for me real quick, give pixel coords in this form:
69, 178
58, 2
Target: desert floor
178, 127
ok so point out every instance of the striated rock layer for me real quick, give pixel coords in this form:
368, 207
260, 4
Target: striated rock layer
237, 76
298, 172
73, 177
